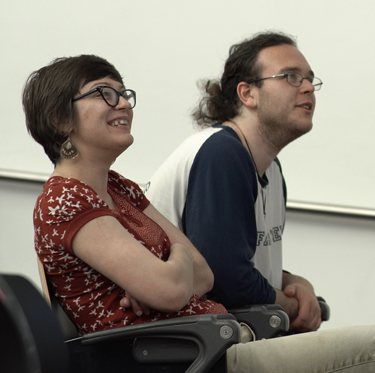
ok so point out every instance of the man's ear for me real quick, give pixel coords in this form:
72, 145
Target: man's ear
246, 94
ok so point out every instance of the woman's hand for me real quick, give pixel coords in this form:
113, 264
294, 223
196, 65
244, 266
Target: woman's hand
130, 302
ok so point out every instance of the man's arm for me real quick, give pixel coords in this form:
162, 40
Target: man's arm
219, 219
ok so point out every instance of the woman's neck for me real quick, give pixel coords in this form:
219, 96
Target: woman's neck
95, 176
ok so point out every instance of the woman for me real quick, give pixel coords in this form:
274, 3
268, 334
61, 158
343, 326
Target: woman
100, 239
81, 215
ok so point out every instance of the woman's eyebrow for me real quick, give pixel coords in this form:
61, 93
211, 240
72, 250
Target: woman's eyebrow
106, 83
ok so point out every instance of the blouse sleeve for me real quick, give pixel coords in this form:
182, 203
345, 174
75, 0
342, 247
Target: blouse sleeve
130, 189
62, 209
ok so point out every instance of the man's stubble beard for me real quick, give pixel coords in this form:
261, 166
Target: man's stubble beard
277, 129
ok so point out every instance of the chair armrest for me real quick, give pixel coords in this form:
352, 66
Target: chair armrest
209, 335
266, 321
325, 309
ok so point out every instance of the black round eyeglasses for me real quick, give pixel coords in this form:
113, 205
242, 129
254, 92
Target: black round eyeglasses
111, 96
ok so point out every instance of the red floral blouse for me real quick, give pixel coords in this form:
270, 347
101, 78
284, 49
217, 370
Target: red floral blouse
90, 299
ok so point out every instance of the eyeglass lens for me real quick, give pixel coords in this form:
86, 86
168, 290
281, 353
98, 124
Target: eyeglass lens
112, 97
297, 79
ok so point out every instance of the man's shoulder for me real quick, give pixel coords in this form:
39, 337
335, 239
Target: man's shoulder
181, 159
223, 148
168, 186
194, 142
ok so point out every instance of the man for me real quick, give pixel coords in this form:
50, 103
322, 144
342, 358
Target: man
224, 186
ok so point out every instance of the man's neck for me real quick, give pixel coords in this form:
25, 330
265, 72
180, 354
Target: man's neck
261, 150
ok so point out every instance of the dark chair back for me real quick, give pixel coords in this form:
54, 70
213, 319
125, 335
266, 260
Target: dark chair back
31, 340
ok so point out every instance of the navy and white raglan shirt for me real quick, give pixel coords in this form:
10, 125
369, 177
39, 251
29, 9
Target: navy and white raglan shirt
209, 188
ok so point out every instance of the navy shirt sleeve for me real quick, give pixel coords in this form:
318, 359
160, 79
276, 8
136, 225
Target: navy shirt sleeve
219, 219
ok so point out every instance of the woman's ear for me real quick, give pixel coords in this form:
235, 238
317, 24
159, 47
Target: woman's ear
64, 128
245, 92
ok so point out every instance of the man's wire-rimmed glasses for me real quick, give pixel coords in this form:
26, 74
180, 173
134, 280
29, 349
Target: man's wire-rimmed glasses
111, 96
294, 79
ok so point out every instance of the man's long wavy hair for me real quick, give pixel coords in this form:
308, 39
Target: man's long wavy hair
220, 101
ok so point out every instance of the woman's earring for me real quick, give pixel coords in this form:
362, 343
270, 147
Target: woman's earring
68, 149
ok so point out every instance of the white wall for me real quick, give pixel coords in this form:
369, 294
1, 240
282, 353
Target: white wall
336, 254
17, 255
163, 47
